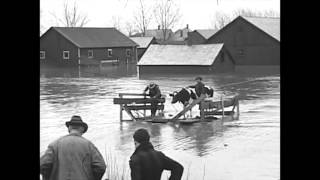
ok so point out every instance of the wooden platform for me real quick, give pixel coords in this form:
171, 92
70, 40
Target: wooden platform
132, 106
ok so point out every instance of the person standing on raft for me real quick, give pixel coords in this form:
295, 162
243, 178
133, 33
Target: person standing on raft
155, 93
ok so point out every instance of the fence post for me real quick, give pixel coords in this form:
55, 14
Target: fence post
222, 105
144, 110
121, 108
202, 110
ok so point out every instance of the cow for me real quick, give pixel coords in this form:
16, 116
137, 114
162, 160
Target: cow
186, 95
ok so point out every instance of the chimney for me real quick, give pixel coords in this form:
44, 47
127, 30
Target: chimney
158, 27
187, 26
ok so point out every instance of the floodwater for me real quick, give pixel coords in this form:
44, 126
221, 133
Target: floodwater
244, 149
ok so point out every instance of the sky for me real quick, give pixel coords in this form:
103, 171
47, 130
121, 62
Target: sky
198, 14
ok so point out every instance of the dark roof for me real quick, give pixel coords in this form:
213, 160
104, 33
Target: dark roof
95, 37
143, 42
199, 55
269, 25
206, 33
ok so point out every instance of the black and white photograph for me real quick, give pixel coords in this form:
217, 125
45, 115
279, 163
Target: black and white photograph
159, 90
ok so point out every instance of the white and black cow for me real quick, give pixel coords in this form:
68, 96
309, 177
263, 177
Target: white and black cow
186, 95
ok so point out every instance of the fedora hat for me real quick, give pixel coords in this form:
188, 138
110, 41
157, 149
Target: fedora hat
76, 120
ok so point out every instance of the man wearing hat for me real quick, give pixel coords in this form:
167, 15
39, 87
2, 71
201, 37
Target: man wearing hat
72, 156
147, 163
154, 92
199, 87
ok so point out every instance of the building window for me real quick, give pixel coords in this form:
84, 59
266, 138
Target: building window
128, 52
90, 53
109, 52
66, 54
181, 33
42, 54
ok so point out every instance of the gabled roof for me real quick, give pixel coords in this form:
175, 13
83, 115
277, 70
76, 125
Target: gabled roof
206, 33
269, 25
95, 37
199, 55
143, 42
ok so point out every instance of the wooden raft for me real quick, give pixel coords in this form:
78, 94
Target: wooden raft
130, 105
210, 107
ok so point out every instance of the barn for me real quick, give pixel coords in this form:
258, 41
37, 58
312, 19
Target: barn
254, 42
204, 58
73, 46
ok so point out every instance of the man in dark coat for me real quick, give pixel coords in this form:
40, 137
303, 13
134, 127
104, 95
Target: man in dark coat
147, 163
72, 156
199, 87
155, 93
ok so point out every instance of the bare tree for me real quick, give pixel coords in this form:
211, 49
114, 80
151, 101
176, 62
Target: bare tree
72, 17
220, 20
167, 14
142, 18
116, 22
251, 13
130, 28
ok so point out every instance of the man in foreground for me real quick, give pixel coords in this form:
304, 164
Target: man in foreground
72, 157
147, 163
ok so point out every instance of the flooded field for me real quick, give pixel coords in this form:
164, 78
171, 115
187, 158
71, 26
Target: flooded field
245, 149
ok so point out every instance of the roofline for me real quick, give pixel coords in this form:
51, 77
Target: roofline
126, 37
220, 50
260, 28
66, 37
55, 28
202, 35
237, 19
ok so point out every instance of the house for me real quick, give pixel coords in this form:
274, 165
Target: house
179, 37
143, 44
158, 34
205, 58
200, 36
74, 46
254, 42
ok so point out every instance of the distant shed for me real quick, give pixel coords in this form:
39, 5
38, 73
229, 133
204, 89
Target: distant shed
206, 58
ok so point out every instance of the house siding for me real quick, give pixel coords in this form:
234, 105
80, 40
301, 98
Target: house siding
54, 44
258, 47
118, 53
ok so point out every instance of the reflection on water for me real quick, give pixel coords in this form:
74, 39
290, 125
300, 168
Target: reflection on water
248, 148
